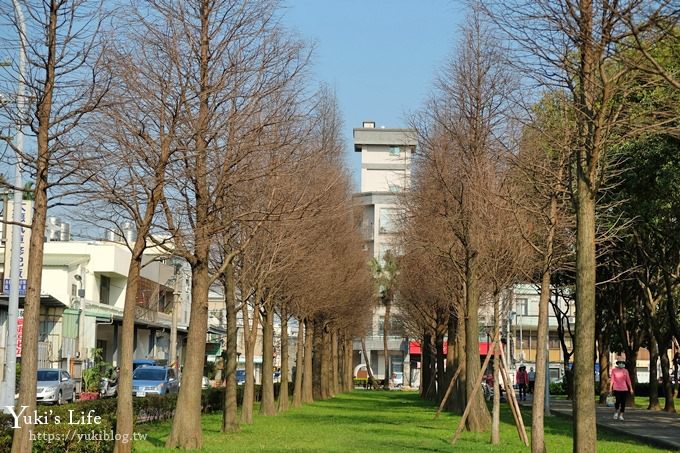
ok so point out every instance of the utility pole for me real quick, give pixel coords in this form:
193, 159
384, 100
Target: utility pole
9, 376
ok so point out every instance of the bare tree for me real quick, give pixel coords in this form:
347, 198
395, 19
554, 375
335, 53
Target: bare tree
539, 195
243, 85
64, 84
460, 141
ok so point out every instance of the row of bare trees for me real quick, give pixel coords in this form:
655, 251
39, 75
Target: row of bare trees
194, 120
516, 180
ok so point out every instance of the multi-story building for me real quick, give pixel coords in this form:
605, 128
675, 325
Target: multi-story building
385, 172
83, 290
521, 329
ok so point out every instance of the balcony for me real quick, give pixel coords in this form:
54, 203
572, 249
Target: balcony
375, 343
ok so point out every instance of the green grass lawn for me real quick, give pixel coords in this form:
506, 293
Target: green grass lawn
372, 421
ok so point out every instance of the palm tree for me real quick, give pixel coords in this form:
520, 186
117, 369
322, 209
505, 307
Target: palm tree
384, 274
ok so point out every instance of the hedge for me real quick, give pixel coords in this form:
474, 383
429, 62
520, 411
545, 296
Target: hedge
98, 438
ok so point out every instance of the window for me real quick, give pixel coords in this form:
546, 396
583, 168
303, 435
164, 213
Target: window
394, 188
395, 151
381, 325
104, 290
388, 220
522, 307
554, 341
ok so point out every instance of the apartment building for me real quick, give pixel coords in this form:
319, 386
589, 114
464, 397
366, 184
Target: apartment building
83, 290
386, 156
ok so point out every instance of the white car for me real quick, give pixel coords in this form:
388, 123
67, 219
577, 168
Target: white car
398, 379
55, 386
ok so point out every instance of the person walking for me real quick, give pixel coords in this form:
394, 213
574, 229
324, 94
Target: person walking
522, 379
620, 385
532, 380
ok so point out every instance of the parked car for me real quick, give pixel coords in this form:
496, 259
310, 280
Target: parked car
152, 379
398, 379
205, 383
55, 386
240, 377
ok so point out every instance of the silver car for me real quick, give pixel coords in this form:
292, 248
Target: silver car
55, 386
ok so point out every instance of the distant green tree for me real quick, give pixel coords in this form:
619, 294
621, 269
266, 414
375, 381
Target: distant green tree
384, 274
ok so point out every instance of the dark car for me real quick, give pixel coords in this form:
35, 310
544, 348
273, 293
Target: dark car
157, 380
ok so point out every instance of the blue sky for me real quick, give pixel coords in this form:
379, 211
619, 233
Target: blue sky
380, 56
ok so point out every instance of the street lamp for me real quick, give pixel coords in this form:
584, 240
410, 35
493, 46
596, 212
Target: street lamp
511, 335
81, 316
9, 375
521, 338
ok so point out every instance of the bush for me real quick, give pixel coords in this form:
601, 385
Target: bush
558, 388
642, 389
92, 376
59, 434
98, 438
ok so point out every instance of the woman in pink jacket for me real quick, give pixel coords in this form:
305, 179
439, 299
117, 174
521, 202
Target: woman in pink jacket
619, 383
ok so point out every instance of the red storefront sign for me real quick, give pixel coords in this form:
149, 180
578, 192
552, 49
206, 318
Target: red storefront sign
20, 333
414, 348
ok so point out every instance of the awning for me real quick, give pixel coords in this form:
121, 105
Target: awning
100, 315
414, 348
46, 300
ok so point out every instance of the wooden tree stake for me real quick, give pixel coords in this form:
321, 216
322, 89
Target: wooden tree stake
512, 400
471, 397
448, 390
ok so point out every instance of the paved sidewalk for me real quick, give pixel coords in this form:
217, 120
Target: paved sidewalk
652, 427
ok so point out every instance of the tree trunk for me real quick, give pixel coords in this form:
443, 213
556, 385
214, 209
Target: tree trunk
349, 364
452, 360
603, 359
29, 352
429, 372
479, 418
537, 407
267, 406
249, 341
283, 388
229, 414
669, 406
425, 367
317, 356
441, 372
653, 375
496, 412
307, 375
299, 364
124, 412
335, 387
186, 427
325, 364
367, 359
585, 427
386, 333
459, 390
